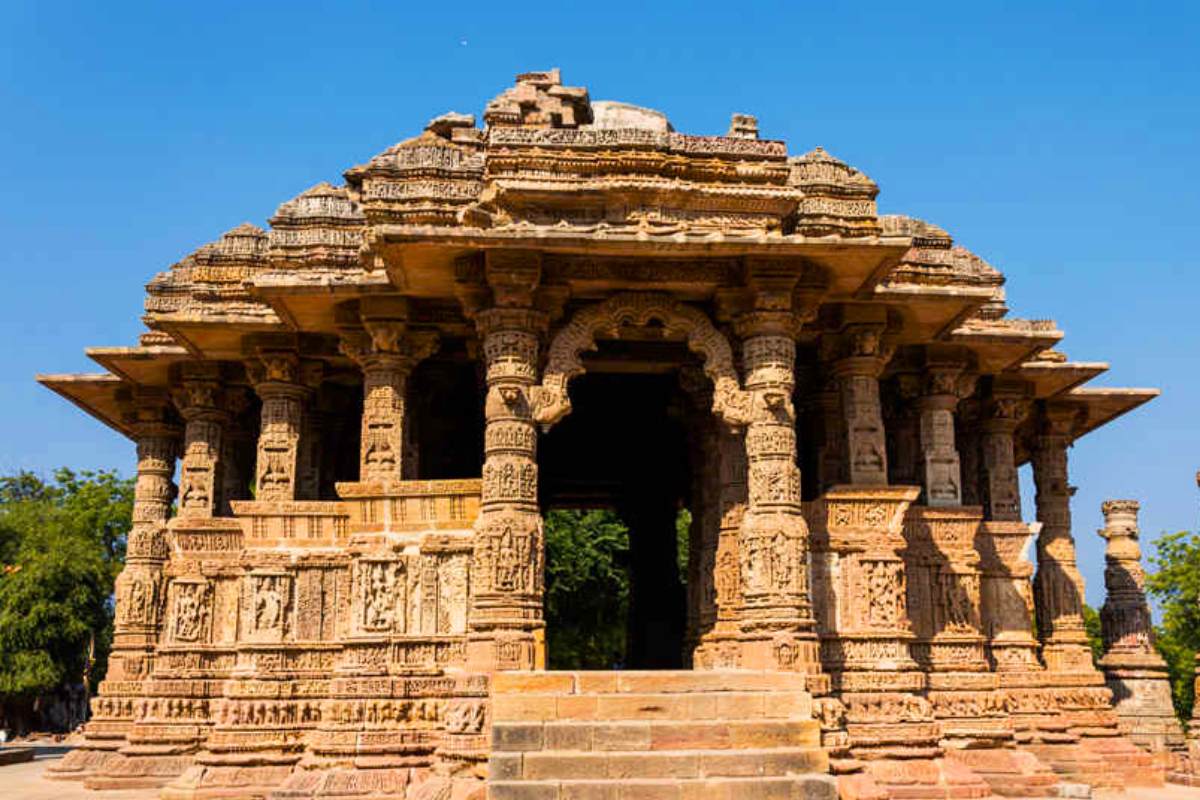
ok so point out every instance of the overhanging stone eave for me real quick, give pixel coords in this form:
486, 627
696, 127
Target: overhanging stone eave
1051, 379
1003, 350
94, 393
142, 365
945, 307
305, 300
218, 340
855, 265
1105, 404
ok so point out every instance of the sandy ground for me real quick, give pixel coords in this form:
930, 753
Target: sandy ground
25, 782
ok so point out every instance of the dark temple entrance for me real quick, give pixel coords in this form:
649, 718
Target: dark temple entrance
624, 448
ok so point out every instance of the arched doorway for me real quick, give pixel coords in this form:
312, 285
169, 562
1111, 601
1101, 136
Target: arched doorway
648, 376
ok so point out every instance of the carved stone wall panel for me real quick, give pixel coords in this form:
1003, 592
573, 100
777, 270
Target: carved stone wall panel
190, 616
269, 607
227, 604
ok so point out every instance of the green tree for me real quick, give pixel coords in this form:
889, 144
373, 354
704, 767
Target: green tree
587, 589
1091, 624
61, 546
1175, 585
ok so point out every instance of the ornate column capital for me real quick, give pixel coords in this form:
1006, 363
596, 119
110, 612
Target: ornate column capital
148, 413
388, 344
513, 276
1058, 423
862, 349
1004, 412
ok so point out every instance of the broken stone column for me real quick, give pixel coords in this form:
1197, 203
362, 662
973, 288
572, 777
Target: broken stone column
1133, 669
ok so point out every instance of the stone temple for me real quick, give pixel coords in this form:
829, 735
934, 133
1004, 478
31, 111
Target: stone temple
348, 428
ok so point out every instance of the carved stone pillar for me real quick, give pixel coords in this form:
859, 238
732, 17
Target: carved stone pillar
776, 612
831, 460
201, 402
309, 455
704, 535
138, 625
507, 630
1006, 596
387, 352
719, 647
1133, 669
237, 450
1058, 586
140, 591
1007, 601
1001, 492
864, 355
902, 420
966, 436
277, 380
942, 476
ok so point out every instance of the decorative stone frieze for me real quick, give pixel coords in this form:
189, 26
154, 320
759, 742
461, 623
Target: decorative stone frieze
944, 600
860, 585
837, 199
211, 284
321, 228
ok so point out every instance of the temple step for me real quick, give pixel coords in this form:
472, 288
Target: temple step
667, 734
653, 735
802, 787
626, 764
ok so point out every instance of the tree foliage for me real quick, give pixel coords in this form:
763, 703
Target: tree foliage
587, 589
1175, 585
62, 544
1091, 624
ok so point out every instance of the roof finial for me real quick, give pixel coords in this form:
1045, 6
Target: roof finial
743, 126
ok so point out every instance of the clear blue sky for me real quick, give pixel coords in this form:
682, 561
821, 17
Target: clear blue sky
1059, 142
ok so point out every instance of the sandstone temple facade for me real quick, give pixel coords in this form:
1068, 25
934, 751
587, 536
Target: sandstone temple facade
349, 425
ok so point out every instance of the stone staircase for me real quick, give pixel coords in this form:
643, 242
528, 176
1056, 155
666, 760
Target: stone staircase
676, 735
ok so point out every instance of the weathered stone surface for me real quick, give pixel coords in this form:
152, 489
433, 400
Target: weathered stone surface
362, 404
